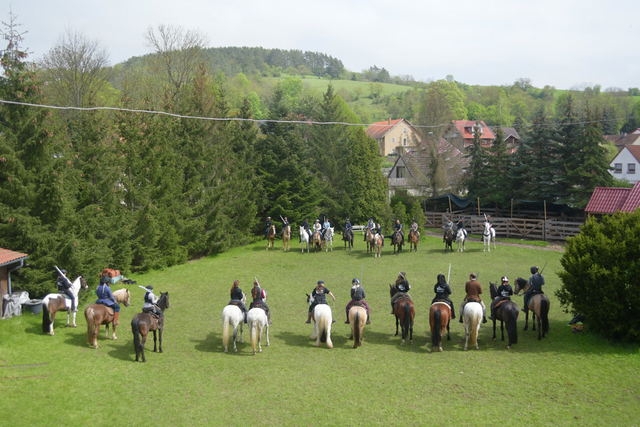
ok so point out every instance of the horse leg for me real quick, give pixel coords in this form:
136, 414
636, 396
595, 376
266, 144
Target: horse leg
411, 333
494, 328
526, 320
74, 319
142, 343
160, 340
114, 337
397, 320
533, 321
53, 318
502, 329
539, 327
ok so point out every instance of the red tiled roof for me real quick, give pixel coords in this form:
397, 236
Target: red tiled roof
379, 129
7, 256
465, 127
608, 200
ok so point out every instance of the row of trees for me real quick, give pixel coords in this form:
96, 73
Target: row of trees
138, 191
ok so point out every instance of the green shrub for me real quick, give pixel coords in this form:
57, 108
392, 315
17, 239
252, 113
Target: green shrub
601, 277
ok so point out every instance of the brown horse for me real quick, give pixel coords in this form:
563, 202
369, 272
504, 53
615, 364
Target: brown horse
271, 237
98, 314
347, 236
143, 323
377, 246
286, 236
439, 317
539, 304
397, 240
53, 303
316, 240
405, 313
448, 240
413, 240
369, 238
357, 319
506, 312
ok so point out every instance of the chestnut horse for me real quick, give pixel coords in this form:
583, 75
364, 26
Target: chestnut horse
99, 314
448, 240
271, 237
405, 313
439, 318
369, 238
347, 236
377, 245
413, 241
507, 312
143, 323
53, 303
286, 236
316, 240
539, 304
357, 319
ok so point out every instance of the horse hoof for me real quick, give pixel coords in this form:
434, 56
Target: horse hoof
440, 348
508, 347
115, 337
225, 350
235, 350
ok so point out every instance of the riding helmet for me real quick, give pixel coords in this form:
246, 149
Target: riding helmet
534, 269
354, 281
504, 279
63, 271
320, 282
149, 287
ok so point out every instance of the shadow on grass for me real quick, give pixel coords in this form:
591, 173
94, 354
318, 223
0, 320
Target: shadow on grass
213, 343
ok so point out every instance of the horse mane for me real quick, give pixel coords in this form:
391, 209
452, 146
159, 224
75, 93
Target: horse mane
121, 294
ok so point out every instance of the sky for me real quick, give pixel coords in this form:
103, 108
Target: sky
562, 43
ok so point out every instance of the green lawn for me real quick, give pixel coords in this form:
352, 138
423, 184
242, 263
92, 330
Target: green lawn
565, 379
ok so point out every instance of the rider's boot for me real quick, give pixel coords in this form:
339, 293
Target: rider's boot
115, 318
347, 322
453, 313
461, 321
245, 317
269, 318
308, 318
368, 321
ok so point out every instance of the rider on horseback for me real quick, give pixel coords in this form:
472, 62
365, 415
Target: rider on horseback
259, 297
504, 294
285, 224
414, 229
473, 288
347, 226
460, 226
305, 225
64, 287
398, 228
150, 301
325, 226
105, 297
370, 226
236, 298
317, 228
378, 230
536, 281
447, 226
357, 295
443, 291
402, 287
319, 297
269, 224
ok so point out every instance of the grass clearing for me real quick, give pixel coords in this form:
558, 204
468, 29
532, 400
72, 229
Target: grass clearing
566, 379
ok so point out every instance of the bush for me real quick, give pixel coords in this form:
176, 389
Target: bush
601, 277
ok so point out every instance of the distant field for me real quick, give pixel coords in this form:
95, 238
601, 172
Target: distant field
321, 84
565, 379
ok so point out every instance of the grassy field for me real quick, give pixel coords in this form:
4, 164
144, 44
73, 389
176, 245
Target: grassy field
566, 379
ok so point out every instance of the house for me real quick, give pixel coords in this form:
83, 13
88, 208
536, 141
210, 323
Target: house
512, 138
411, 170
624, 139
9, 262
393, 136
609, 200
464, 130
626, 164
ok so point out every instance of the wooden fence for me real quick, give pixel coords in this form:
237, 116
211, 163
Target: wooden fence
515, 228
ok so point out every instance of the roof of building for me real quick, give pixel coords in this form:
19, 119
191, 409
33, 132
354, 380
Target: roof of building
7, 256
465, 129
621, 140
633, 149
609, 200
379, 129
509, 131
421, 158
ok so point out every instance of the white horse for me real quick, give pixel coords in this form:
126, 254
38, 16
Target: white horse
472, 320
304, 238
322, 320
488, 235
232, 316
256, 321
328, 239
460, 238
53, 303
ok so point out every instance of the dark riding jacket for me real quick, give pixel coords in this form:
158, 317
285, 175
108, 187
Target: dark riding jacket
536, 281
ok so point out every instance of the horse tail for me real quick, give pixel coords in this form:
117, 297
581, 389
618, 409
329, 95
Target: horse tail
135, 328
254, 331
512, 327
437, 328
407, 317
356, 328
46, 319
323, 328
544, 315
225, 330
474, 325
89, 314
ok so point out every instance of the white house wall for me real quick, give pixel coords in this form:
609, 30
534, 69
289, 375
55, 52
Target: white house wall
625, 157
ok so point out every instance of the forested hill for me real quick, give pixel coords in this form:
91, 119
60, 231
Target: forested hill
258, 60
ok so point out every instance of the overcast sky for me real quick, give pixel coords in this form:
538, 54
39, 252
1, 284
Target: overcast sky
552, 42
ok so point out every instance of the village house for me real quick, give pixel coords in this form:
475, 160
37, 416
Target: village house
393, 136
623, 139
464, 129
626, 164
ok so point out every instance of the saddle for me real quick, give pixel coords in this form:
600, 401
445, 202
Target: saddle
63, 295
259, 305
358, 304
499, 303
439, 300
151, 312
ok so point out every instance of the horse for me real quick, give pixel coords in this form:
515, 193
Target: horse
232, 316
439, 318
369, 238
448, 240
539, 304
328, 239
257, 320
488, 235
460, 239
271, 237
322, 320
143, 323
405, 312
397, 239
357, 319
99, 314
377, 245
472, 320
316, 240
413, 241
304, 239
347, 236
53, 303
286, 236
507, 312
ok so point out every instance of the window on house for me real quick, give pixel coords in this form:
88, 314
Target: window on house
400, 172
393, 140
631, 168
405, 130
404, 142
618, 168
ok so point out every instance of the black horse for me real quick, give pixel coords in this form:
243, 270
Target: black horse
143, 323
347, 236
505, 311
448, 240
